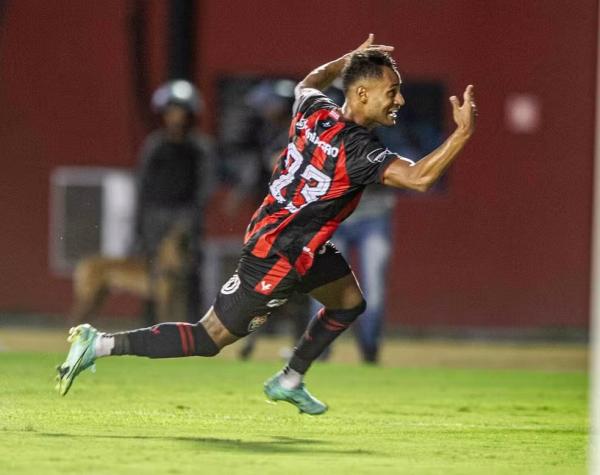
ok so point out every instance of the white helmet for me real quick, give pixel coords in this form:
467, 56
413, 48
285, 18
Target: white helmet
180, 92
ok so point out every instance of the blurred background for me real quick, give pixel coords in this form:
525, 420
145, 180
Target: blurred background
501, 248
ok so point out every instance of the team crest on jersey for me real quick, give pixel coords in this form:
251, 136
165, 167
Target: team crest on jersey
257, 322
301, 124
231, 285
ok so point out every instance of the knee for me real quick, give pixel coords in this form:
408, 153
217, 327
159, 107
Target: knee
211, 326
359, 309
345, 317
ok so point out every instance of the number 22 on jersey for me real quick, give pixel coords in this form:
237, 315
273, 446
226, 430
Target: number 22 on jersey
315, 184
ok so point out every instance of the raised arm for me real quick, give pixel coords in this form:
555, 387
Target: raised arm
322, 77
426, 171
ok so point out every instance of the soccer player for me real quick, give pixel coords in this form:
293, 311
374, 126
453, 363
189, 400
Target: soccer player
317, 183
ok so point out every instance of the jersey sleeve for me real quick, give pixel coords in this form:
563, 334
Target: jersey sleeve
310, 101
367, 158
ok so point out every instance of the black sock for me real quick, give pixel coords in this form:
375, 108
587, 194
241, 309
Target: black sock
167, 340
324, 327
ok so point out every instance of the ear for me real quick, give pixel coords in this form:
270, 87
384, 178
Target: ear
363, 95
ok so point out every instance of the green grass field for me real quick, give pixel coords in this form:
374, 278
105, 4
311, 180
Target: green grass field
209, 416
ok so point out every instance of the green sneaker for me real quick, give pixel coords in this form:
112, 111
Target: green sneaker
299, 397
81, 356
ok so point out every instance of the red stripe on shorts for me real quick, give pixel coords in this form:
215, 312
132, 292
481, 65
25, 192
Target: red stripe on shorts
272, 278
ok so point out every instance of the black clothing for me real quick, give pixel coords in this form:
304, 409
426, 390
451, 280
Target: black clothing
259, 286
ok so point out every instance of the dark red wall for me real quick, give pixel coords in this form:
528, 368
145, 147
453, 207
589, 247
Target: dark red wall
507, 245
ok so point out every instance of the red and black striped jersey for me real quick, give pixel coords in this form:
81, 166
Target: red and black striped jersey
316, 183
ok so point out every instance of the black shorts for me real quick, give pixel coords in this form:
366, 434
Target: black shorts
258, 286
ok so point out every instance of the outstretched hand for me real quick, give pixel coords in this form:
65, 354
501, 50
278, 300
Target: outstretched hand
368, 44
465, 115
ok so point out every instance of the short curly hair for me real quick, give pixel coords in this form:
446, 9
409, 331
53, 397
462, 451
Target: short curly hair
366, 64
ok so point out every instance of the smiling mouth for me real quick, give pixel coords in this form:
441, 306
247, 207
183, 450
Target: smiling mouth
393, 114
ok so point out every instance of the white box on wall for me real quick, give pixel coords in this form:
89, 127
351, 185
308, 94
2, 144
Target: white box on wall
92, 211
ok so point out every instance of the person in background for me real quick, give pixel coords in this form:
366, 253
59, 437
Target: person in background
367, 236
270, 103
175, 179
365, 239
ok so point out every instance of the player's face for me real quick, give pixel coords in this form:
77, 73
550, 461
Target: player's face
384, 98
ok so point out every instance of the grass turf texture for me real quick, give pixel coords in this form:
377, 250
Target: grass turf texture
209, 416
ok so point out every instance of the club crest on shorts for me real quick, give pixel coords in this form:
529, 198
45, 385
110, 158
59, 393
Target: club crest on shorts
257, 322
231, 285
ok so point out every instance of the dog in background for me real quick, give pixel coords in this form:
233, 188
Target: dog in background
163, 281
